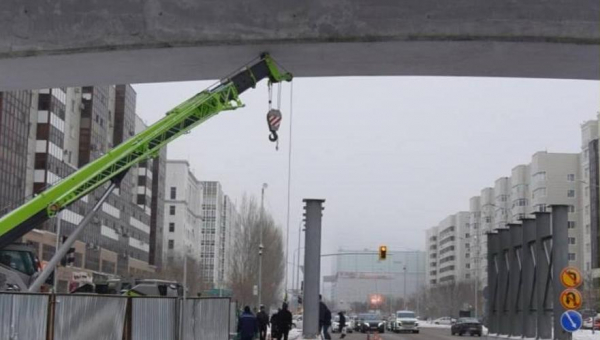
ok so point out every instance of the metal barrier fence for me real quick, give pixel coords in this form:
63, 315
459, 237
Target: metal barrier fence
109, 317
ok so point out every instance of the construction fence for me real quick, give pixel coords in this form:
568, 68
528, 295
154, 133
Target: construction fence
111, 317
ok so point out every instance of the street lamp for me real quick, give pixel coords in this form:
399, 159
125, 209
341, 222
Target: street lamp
260, 246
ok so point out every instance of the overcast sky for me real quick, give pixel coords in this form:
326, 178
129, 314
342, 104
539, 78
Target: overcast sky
392, 156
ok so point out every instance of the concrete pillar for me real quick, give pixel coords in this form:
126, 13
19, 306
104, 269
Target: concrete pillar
528, 293
312, 267
543, 284
503, 278
492, 311
560, 260
515, 257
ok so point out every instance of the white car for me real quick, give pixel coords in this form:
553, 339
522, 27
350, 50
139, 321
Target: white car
406, 321
588, 322
445, 320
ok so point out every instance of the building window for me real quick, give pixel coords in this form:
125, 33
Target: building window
171, 210
571, 208
571, 224
539, 176
171, 227
572, 257
572, 240
173, 193
571, 193
571, 177
171, 244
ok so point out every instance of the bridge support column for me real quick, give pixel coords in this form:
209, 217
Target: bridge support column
312, 267
560, 260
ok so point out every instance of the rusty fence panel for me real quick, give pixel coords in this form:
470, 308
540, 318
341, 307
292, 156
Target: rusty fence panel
89, 317
23, 316
154, 319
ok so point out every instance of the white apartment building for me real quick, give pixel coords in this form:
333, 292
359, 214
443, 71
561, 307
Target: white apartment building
183, 213
589, 186
550, 178
447, 248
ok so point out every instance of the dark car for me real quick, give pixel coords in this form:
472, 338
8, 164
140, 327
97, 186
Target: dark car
371, 322
470, 326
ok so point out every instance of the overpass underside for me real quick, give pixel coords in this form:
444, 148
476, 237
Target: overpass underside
68, 43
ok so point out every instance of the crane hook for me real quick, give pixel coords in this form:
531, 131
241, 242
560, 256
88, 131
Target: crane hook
274, 121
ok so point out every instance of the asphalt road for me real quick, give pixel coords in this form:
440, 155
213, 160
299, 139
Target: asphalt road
425, 334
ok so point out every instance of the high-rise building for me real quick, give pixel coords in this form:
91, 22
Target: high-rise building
55, 132
183, 220
447, 247
550, 178
213, 233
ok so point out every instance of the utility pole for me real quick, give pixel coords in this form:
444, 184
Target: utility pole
404, 294
260, 246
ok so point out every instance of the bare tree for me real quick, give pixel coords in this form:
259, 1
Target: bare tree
243, 275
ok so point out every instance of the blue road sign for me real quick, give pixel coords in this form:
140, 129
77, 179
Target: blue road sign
571, 321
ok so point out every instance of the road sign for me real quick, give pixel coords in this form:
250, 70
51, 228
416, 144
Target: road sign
570, 299
571, 321
571, 277
255, 290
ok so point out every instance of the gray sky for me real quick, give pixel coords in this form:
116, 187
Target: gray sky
392, 156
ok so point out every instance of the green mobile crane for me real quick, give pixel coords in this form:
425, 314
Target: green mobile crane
111, 167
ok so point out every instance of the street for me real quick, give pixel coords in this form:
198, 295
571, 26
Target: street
425, 334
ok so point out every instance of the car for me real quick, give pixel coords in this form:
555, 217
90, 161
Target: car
462, 326
371, 322
19, 267
588, 322
445, 320
406, 321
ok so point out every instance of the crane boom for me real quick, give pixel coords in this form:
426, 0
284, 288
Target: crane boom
189, 114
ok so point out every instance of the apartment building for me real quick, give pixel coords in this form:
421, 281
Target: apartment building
47, 135
550, 178
183, 213
447, 247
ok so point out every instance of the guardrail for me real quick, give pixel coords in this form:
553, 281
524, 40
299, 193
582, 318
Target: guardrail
112, 317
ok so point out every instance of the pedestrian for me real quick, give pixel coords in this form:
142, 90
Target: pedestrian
275, 333
263, 322
324, 319
285, 321
247, 325
342, 324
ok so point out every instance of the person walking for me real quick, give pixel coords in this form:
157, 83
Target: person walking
247, 325
342, 324
324, 319
285, 321
275, 332
263, 322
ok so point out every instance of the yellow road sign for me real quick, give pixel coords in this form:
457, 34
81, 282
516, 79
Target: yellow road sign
570, 299
571, 277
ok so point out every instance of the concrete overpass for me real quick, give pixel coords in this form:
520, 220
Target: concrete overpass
66, 42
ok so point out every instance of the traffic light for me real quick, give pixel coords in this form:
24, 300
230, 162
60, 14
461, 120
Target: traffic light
382, 253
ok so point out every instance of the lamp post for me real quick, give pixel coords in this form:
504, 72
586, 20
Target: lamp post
260, 246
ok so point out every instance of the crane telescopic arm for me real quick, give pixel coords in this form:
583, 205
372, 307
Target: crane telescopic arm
189, 114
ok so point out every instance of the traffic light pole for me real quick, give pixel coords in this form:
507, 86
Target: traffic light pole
35, 287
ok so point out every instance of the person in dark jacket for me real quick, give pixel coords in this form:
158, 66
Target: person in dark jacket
342, 324
324, 319
275, 332
285, 321
247, 325
263, 322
